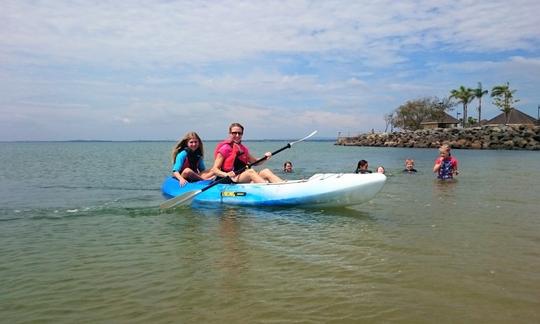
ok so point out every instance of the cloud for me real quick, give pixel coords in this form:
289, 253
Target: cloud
180, 32
140, 69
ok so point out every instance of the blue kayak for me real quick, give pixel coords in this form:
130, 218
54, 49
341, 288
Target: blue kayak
320, 190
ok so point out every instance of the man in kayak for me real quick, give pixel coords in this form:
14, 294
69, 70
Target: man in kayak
233, 160
446, 166
187, 160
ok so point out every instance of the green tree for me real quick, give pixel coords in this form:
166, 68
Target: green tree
410, 115
503, 97
464, 96
478, 94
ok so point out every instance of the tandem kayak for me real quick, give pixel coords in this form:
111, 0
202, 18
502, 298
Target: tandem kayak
320, 190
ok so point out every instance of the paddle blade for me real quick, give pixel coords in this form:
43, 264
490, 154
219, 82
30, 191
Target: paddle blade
179, 200
303, 139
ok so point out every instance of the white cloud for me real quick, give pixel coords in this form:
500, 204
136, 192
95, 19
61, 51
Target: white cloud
143, 68
179, 32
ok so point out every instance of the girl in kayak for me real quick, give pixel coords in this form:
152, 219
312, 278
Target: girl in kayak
446, 166
187, 160
232, 159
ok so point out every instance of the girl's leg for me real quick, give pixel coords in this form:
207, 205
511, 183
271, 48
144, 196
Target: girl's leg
191, 175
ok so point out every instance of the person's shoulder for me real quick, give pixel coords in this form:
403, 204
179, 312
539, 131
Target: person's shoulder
224, 146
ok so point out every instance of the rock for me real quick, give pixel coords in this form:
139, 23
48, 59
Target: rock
485, 137
477, 145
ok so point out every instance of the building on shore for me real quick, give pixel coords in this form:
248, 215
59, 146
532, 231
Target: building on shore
446, 121
513, 118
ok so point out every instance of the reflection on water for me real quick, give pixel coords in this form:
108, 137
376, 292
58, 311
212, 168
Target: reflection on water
444, 191
232, 261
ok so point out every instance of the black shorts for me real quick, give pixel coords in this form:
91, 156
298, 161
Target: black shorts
225, 180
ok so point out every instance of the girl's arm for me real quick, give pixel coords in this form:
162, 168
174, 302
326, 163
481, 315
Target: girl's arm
437, 165
180, 158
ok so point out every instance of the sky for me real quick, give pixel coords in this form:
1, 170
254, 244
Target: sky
154, 70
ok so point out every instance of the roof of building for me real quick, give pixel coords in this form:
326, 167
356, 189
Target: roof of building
515, 117
446, 119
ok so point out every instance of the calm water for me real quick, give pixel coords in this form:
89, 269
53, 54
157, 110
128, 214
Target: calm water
82, 240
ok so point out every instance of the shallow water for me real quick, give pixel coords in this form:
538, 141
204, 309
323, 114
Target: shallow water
82, 240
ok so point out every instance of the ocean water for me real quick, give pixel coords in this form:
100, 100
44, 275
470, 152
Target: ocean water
82, 240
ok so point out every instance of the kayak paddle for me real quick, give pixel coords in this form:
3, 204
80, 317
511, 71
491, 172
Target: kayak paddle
188, 196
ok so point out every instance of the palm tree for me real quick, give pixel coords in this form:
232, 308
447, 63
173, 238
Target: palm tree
503, 98
465, 96
479, 93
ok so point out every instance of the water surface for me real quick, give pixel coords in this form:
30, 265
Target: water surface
82, 240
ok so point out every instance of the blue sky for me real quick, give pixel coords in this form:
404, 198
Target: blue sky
132, 70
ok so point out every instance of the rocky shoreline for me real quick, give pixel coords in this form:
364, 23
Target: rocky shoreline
486, 138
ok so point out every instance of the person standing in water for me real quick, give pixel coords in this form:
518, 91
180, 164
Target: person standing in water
446, 166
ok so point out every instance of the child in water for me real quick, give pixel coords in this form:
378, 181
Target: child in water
446, 166
287, 167
409, 166
362, 167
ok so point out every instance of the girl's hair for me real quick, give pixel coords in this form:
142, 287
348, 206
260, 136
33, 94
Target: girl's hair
182, 144
361, 163
236, 125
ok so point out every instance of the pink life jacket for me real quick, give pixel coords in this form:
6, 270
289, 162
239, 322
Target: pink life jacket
236, 156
